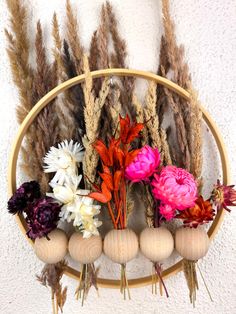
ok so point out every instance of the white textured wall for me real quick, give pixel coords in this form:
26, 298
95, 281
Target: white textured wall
208, 30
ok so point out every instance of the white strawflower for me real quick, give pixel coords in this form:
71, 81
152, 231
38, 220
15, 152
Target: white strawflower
63, 160
77, 206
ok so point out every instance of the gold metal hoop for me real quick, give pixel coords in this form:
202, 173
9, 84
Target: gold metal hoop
108, 283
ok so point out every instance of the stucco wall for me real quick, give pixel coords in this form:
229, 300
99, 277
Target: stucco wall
207, 28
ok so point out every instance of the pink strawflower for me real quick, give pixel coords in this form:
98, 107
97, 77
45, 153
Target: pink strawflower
175, 187
144, 164
167, 211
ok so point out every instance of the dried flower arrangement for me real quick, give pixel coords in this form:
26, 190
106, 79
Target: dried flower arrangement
104, 143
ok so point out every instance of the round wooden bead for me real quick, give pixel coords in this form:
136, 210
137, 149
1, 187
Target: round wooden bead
191, 243
156, 244
121, 246
85, 250
54, 250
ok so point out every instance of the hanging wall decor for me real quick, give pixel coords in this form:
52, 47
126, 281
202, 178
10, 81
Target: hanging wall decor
88, 143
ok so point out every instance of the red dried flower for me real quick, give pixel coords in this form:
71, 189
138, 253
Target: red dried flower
223, 196
200, 214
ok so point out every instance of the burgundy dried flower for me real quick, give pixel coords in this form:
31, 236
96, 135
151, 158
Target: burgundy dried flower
24, 195
42, 217
201, 213
223, 196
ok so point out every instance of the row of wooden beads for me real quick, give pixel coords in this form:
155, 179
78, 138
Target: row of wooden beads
121, 246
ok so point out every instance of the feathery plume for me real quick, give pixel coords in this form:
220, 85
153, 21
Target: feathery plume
73, 37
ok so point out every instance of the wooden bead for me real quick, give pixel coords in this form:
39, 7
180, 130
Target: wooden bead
85, 250
121, 246
156, 244
191, 243
54, 250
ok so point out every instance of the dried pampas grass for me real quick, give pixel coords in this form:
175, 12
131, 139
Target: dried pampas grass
32, 84
73, 37
18, 52
50, 277
118, 59
187, 114
37, 141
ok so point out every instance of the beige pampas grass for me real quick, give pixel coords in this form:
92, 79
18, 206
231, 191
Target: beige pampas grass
102, 40
73, 37
38, 140
93, 52
18, 52
32, 85
58, 44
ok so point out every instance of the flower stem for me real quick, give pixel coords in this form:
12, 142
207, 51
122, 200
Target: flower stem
112, 215
53, 302
124, 201
204, 281
161, 281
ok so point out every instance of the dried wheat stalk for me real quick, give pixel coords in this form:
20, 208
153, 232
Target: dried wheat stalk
165, 149
152, 120
140, 118
92, 114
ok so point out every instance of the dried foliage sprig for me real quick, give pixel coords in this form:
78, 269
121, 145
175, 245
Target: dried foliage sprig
50, 277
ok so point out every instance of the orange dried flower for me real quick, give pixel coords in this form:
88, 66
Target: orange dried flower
200, 214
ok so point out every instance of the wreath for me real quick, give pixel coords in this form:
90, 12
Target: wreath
97, 149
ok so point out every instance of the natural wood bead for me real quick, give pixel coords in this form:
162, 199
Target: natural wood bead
191, 243
54, 250
156, 244
85, 250
121, 246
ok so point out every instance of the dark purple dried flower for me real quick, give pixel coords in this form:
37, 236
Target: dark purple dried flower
24, 195
42, 217
223, 196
